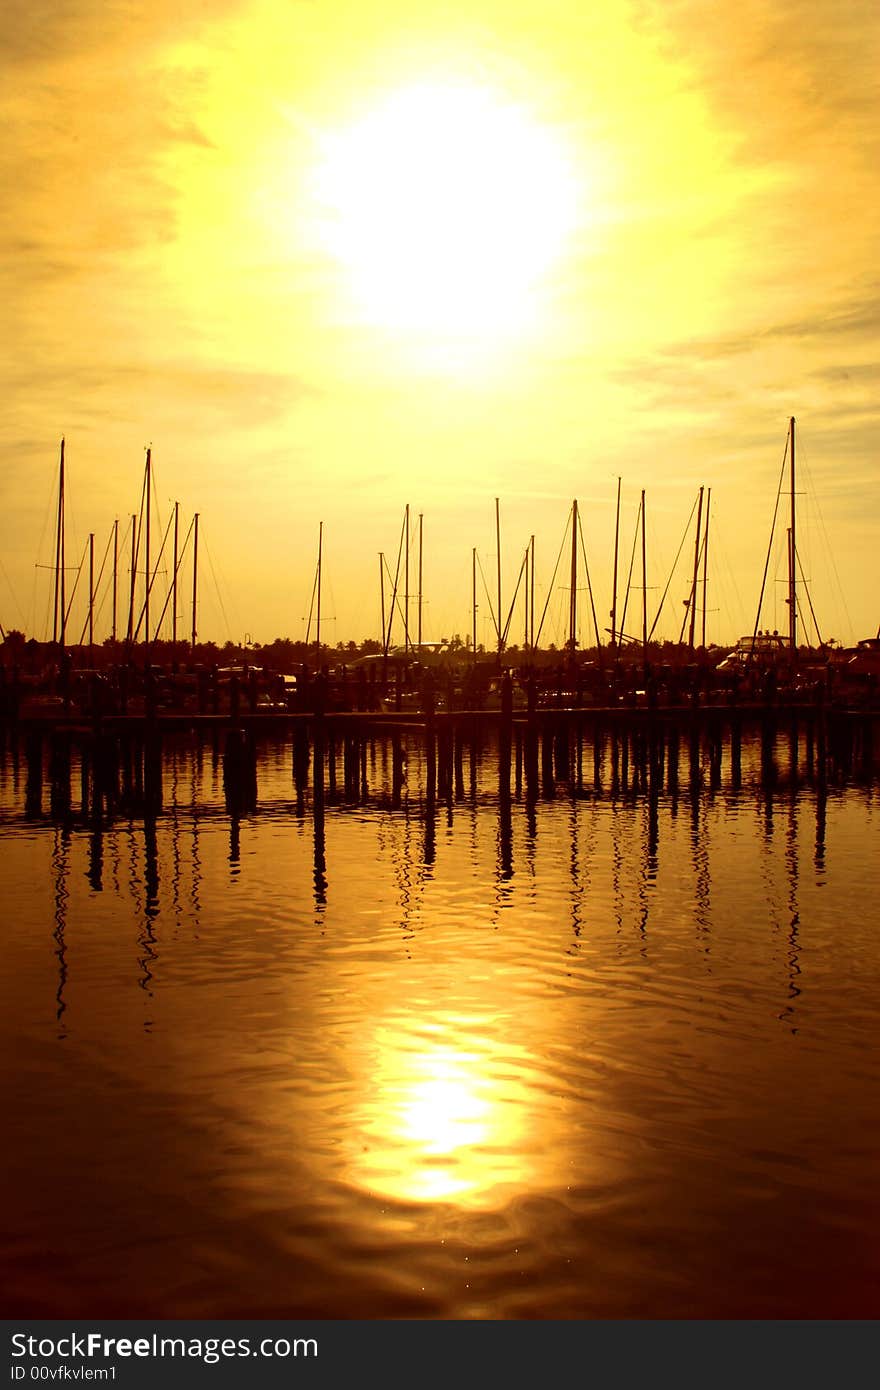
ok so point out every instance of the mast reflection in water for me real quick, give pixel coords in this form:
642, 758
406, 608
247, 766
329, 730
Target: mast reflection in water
455, 1036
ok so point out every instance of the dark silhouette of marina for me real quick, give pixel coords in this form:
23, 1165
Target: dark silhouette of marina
115, 771
614, 719
137, 670
638, 745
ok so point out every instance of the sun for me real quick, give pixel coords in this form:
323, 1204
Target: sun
446, 206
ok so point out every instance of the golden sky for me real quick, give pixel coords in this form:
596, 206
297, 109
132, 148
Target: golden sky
330, 258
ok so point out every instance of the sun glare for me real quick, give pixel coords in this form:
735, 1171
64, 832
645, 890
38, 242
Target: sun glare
446, 206
437, 1127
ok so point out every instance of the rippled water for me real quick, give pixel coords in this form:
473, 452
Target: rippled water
597, 1056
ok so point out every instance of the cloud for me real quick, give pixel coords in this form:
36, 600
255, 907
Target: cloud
215, 396
47, 31
842, 324
867, 373
805, 68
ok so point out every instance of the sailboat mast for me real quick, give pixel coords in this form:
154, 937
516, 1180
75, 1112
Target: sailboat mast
614, 579
532, 595
572, 602
91, 591
420, 581
133, 577
59, 549
474, 595
498, 554
62, 504
706, 561
792, 598
644, 584
147, 575
382, 597
696, 572
115, 574
174, 580
406, 578
195, 575
318, 619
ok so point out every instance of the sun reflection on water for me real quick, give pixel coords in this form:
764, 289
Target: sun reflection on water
445, 1117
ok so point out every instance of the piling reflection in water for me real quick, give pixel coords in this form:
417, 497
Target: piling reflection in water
60, 868
320, 857
793, 956
405, 775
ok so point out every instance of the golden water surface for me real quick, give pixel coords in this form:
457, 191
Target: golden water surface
594, 1056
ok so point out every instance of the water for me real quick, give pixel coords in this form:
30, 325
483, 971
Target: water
603, 1056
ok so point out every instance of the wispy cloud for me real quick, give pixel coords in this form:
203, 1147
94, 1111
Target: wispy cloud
52, 31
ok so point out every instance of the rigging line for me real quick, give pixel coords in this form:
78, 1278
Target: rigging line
395, 592
99, 609
805, 465
330, 617
553, 579
158, 514
180, 556
69, 523
51, 510
151, 579
692, 596
488, 598
82, 636
33, 605
13, 593
558, 627
210, 556
51, 507
155, 491
97, 586
394, 598
687, 609
632, 561
691, 599
809, 599
769, 552
134, 559
312, 606
515, 595
48, 608
589, 583
75, 583
386, 569
723, 571
123, 561
672, 571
